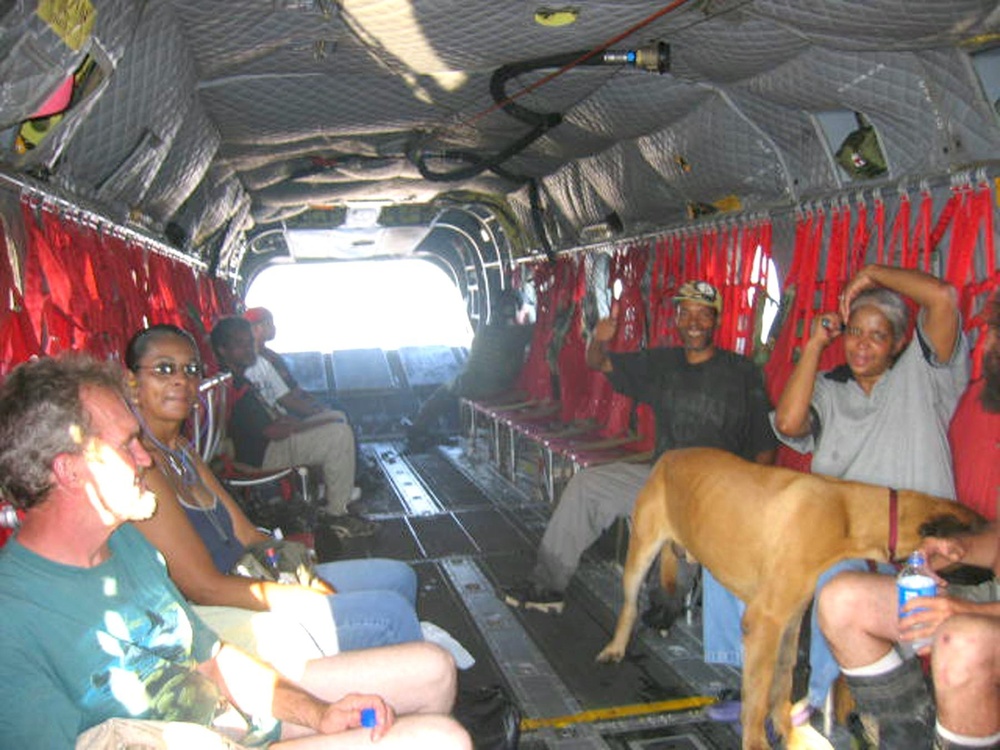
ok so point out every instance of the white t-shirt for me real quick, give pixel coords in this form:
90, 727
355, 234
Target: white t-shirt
267, 381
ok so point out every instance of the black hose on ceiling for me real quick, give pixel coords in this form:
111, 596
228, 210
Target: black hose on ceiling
655, 59
541, 122
477, 164
498, 85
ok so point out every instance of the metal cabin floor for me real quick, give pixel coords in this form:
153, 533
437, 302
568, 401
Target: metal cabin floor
467, 531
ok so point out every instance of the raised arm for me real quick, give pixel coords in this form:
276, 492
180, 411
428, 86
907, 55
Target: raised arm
791, 416
937, 299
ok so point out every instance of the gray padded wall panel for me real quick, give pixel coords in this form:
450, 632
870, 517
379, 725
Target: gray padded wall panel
626, 183
224, 195
637, 104
578, 202
723, 51
867, 25
253, 30
800, 147
116, 152
716, 143
191, 153
35, 57
38, 60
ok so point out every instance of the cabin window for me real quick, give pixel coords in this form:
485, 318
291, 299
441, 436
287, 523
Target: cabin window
773, 291
383, 304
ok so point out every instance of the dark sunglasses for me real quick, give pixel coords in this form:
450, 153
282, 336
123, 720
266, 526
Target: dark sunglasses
169, 369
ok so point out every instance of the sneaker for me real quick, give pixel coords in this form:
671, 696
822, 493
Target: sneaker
444, 639
348, 526
724, 711
533, 596
727, 708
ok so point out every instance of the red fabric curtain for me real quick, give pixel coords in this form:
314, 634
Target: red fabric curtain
17, 336
88, 289
536, 377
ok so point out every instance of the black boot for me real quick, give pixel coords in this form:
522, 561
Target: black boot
901, 703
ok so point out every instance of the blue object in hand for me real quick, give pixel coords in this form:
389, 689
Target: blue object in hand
367, 717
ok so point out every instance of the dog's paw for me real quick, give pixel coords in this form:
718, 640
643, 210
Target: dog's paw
610, 654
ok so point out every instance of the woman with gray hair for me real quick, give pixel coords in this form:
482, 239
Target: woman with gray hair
882, 417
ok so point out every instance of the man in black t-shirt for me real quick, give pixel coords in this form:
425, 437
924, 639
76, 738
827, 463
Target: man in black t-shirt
701, 397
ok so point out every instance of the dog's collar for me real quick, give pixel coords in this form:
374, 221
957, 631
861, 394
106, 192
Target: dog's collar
893, 522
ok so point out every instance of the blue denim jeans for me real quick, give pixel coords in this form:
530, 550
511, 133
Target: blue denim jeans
722, 613
375, 602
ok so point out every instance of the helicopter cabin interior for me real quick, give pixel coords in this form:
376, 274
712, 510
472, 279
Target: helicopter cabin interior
377, 172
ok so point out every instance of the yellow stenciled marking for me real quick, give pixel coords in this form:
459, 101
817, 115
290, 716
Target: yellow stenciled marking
72, 20
617, 712
556, 16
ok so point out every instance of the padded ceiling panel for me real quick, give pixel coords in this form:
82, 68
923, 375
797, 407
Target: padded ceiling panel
214, 105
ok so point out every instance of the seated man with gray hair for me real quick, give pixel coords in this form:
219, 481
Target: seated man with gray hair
94, 630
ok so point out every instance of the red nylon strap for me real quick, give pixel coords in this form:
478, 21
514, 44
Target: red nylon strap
880, 229
862, 235
893, 522
900, 237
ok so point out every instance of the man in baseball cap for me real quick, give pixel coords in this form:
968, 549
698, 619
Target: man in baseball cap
701, 396
701, 292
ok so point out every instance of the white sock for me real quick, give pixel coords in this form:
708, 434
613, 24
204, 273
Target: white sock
965, 741
886, 664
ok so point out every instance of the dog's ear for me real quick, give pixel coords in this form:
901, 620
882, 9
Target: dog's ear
946, 525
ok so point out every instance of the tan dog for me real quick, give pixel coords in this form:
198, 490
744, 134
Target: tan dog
766, 533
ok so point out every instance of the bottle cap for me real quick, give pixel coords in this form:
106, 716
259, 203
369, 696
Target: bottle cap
367, 717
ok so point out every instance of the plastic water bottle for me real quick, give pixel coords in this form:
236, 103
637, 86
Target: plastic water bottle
914, 580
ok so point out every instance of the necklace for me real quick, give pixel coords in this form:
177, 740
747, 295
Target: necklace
180, 467
178, 458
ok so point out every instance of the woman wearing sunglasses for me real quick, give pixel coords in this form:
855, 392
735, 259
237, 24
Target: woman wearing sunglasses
202, 532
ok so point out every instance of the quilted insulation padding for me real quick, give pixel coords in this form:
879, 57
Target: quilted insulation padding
866, 25
231, 40
117, 151
627, 183
191, 153
735, 106
769, 77
299, 102
232, 244
212, 203
36, 56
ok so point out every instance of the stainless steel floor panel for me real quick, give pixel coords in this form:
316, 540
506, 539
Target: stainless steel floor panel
468, 533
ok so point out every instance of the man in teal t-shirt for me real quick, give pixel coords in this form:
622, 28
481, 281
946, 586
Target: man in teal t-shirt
93, 628
119, 636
